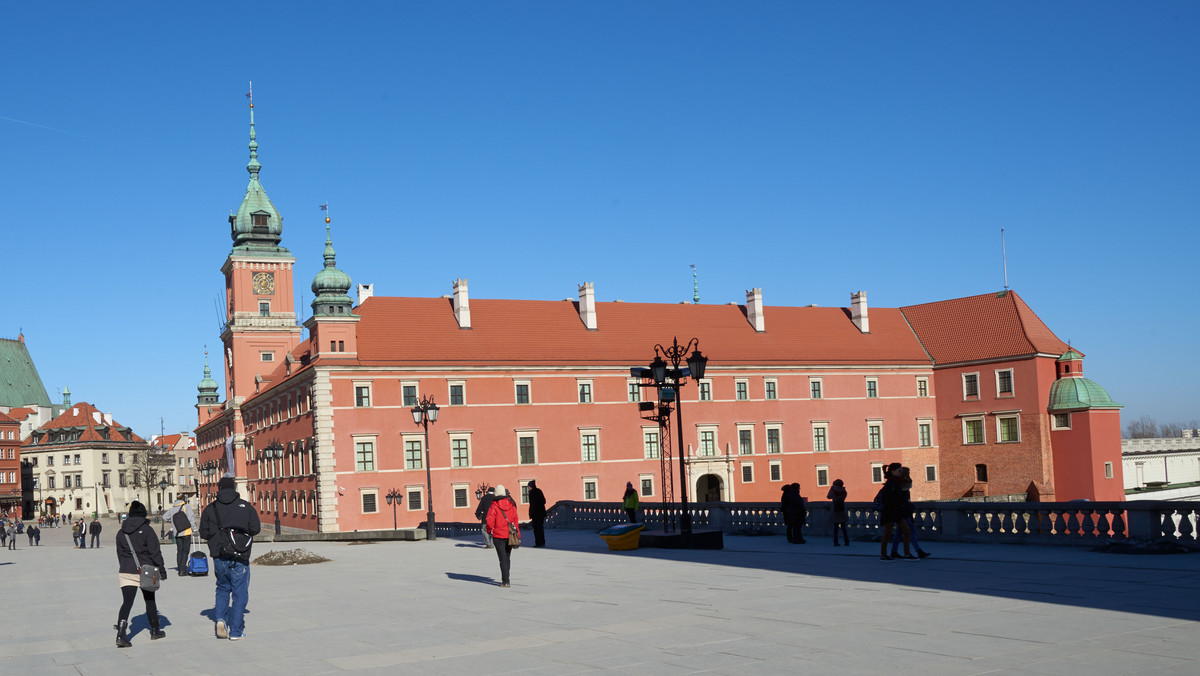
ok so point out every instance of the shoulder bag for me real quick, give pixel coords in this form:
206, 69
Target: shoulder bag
147, 572
514, 536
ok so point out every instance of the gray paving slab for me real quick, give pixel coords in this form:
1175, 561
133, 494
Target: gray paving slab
761, 606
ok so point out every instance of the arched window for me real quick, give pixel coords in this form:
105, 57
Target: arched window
981, 473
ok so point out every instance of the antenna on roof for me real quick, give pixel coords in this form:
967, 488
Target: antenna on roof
1004, 257
695, 286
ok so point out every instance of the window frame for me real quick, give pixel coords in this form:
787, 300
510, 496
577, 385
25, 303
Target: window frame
416, 397
741, 389
771, 389
822, 481
357, 441
1012, 386
532, 436
701, 431
594, 482
877, 474
970, 421
875, 435
970, 377
633, 390
823, 437
642, 481
872, 388
1000, 419
816, 388
647, 452
586, 390
745, 433
931, 474
462, 392
358, 387
419, 440
704, 390
747, 468
1054, 421
774, 471
456, 437
594, 434
517, 385
363, 494
924, 424
410, 491
922, 387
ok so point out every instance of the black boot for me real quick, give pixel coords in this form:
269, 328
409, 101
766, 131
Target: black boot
122, 640
155, 632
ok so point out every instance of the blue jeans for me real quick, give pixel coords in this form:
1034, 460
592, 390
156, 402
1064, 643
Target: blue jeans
233, 579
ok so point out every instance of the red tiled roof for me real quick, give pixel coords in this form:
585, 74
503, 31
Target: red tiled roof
419, 331
80, 415
20, 413
988, 326
5, 419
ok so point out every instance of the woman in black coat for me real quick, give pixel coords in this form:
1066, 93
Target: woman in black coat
138, 532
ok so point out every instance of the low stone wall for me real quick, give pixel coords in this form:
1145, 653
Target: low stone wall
1073, 523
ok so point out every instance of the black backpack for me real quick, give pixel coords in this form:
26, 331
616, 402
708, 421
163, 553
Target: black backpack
180, 521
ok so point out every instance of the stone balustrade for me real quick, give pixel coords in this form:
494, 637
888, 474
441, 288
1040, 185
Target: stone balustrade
1074, 523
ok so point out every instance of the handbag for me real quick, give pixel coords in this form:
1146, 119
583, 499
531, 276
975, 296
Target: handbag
147, 572
514, 536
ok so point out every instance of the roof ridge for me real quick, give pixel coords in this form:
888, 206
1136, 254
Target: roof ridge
1021, 318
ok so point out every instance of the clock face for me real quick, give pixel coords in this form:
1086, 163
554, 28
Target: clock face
264, 283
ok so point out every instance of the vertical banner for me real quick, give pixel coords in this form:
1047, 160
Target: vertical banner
229, 457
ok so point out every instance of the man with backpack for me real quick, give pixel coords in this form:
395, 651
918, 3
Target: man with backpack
180, 518
229, 525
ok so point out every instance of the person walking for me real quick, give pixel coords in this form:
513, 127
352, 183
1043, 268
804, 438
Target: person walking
180, 518
501, 518
481, 512
37, 536
137, 545
95, 529
537, 514
12, 536
29, 532
630, 502
837, 515
228, 525
76, 535
906, 492
891, 513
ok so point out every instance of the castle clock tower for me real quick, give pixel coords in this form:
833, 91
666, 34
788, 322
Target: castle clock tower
260, 322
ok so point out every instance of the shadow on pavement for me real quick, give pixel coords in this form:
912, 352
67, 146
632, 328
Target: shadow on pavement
462, 577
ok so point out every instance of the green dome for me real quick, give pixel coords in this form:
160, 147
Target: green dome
1072, 394
208, 385
331, 285
1070, 354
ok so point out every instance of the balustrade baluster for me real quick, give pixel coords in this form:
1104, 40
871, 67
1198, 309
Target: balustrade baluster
1185, 525
1073, 523
1087, 523
1118, 524
1102, 522
1058, 523
1167, 525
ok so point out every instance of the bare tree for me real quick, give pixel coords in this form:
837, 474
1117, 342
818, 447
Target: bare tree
149, 467
1142, 428
1170, 430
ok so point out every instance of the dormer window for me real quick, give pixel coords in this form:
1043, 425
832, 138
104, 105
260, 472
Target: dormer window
259, 220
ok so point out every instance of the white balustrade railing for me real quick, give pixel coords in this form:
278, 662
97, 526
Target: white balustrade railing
1088, 523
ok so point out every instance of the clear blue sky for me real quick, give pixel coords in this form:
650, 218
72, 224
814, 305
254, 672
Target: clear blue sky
811, 149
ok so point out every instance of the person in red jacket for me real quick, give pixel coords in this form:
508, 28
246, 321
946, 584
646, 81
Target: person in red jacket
502, 516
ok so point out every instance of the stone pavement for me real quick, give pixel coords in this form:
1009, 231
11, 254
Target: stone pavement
761, 606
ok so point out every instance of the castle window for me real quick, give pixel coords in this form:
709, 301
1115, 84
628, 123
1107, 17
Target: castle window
970, 385
264, 308
1004, 383
872, 388
981, 473
1062, 421
1008, 428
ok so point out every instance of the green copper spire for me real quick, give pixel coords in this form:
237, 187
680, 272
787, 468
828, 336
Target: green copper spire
331, 285
206, 390
257, 227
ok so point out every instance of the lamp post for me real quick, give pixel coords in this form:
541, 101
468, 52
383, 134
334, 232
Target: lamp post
393, 499
274, 451
671, 376
424, 413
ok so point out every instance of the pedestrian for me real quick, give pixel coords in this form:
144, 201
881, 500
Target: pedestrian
797, 514
137, 545
37, 536
75, 535
501, 519
3, 532
481, 512
29, 532
180, 518
838, 516
906, 492
537, 513
629, 502
891, 513
229, 525
12, 537
95, 529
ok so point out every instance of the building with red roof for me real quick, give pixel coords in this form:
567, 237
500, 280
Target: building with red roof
11, 496
542, 390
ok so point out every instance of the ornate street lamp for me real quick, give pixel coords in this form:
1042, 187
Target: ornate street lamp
393, 499
424, 413
667, 374
274, 451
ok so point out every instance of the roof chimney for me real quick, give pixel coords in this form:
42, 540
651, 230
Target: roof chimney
365, 291
587, 305
858, 311
754, 309
462, 309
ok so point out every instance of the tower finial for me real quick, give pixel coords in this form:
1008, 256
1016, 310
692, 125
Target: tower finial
253, 166
1004, 257
695, 286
